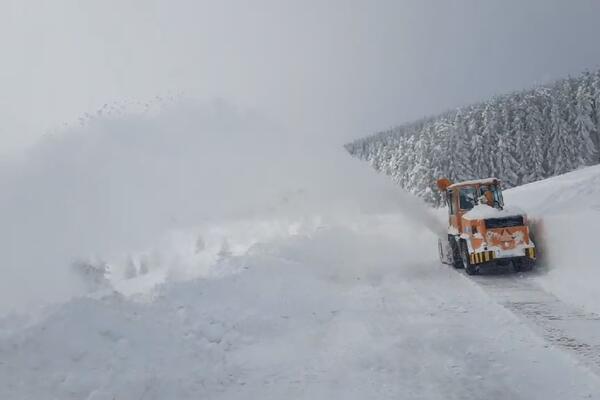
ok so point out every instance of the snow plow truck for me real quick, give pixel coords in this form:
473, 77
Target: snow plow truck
481, 231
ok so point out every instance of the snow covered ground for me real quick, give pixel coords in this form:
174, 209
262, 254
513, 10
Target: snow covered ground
567, 210
315, 280
357, 310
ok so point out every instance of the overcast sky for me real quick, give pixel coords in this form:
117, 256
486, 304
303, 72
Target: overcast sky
342, 68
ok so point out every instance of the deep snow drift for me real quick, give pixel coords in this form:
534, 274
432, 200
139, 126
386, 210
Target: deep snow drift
567, 211
258, 267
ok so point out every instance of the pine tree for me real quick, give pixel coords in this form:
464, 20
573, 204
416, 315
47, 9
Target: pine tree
584, 126
421, 172
523, 140
520, 137
562, 147
490, 135
595, 85
534, 147
442, 133
506, 163
459, 146
405, 162
480, 160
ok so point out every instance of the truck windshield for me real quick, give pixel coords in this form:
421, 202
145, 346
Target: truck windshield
467, 198
494, 194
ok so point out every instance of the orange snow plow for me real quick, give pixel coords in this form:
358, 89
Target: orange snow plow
481, 231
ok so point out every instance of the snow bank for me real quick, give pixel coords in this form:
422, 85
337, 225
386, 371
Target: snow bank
566, 213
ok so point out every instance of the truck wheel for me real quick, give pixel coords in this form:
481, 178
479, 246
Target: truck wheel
523, 265
466, 261
456, 260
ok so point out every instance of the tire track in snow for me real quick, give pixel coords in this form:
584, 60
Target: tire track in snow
560, 324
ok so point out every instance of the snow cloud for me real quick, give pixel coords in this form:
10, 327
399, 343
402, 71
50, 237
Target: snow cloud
118, 182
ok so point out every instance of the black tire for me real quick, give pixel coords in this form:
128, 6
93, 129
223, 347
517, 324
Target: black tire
466, 260
456, 260
523, 265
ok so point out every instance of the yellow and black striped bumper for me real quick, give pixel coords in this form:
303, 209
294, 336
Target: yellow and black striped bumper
484, 256
530, 252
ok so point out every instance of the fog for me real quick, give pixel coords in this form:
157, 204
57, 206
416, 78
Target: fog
339, 68
119, 183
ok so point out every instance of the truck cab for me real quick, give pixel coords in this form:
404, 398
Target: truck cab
481, 231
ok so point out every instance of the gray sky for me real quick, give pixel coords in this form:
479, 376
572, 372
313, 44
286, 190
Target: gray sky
341, 68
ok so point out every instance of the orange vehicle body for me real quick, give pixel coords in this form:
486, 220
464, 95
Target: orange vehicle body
480, 231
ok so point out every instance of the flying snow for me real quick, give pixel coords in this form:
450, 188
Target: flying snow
183, 185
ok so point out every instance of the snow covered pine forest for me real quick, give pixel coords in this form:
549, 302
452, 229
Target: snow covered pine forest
520, 137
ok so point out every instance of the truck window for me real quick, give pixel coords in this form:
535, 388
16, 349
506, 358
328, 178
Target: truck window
450, 202
498, 197
467, 198
497, 194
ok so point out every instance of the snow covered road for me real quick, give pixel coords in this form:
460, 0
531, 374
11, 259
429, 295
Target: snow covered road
343, 312
566, 326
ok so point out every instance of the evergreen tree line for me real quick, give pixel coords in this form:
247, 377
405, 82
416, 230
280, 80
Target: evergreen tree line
519, 138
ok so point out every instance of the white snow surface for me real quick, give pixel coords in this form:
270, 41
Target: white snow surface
481, 211
332, 290
348, 310
473, 182
313, 309
566, 212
